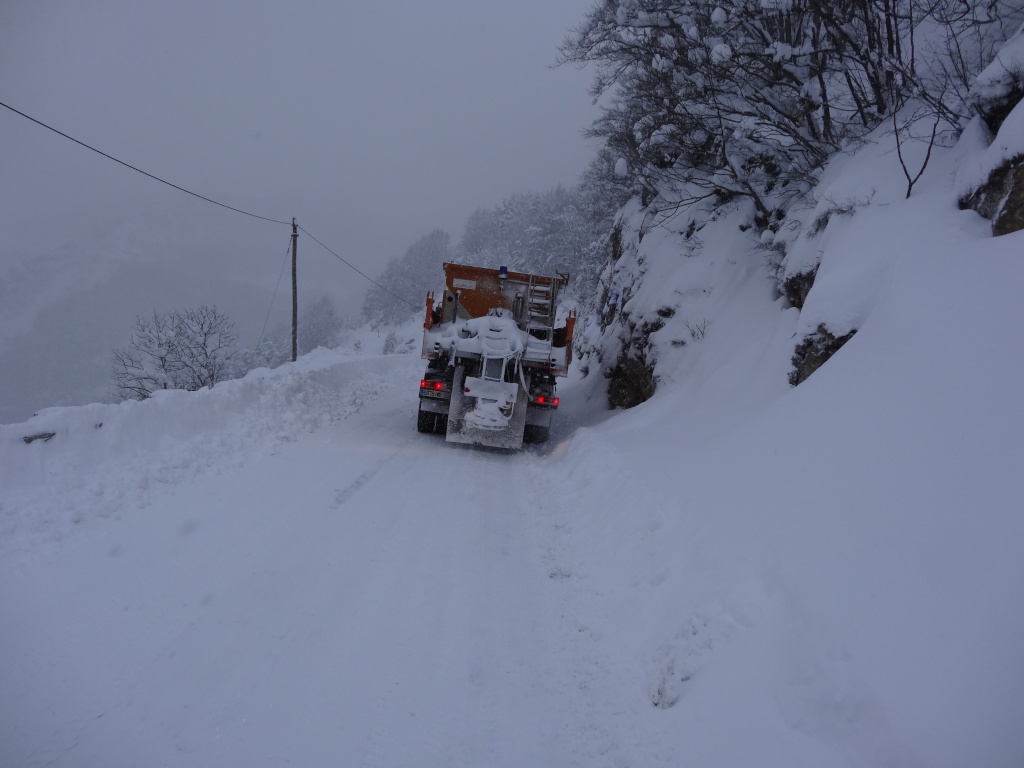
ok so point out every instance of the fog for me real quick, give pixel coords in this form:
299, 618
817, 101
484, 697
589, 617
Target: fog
370, 123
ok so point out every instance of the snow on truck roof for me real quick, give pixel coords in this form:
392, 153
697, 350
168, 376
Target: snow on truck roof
494, 335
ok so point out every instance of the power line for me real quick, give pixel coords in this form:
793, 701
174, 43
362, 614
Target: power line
284, 264
207, 199
138, 170
404, 301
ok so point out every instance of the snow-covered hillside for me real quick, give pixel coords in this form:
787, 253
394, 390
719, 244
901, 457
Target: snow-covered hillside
65, 308
281, 570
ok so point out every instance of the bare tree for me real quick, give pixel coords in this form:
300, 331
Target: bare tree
206, 341
904, 131
178, 350
150, 361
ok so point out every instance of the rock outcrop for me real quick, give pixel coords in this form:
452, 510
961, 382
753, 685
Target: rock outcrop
814, 351
996, 97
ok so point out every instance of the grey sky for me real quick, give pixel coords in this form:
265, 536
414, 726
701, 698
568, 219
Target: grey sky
371, 122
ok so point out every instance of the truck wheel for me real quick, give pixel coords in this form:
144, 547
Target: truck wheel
425, 421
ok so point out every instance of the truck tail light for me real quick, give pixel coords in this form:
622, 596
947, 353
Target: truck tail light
437, 386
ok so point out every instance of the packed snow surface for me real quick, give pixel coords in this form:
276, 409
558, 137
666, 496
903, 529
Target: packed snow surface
282, 571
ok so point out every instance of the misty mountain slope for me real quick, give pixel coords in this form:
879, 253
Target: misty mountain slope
63, 312
736, 572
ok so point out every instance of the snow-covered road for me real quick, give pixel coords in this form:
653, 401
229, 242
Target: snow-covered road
364, 595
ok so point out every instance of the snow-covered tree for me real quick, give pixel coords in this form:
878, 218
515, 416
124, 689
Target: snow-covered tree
749, 99
561, 230
270, 352
319, 323
739, 105
187, 349
406, 280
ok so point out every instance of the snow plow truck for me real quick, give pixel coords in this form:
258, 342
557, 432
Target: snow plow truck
493, 352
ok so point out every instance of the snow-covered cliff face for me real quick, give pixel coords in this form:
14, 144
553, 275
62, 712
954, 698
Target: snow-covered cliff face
706, 279
676, 281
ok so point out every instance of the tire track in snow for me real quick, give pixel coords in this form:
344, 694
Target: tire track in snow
471, 676
586, 667
343, 495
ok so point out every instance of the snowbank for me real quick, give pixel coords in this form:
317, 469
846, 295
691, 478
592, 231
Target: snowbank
104, 459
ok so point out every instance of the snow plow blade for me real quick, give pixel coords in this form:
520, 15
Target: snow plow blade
510, 438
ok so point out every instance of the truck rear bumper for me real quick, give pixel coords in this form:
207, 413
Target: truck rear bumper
434, 405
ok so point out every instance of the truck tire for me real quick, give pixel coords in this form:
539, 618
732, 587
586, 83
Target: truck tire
425, 421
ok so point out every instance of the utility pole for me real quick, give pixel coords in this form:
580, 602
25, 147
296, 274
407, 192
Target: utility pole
295, 291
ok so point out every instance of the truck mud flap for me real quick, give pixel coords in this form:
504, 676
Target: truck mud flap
458, 432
